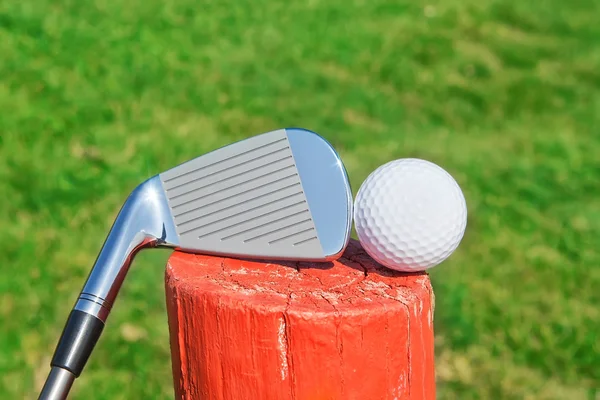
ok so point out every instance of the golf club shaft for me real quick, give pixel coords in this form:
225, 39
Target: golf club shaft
57, 385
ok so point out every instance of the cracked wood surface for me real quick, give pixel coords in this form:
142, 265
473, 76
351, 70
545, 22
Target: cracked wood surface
348, 329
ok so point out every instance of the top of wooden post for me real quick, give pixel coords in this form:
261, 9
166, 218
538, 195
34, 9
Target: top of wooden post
355, 281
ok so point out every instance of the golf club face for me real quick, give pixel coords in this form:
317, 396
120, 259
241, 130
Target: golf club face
280, 195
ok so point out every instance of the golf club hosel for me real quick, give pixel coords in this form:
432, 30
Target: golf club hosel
99, 302
144, 221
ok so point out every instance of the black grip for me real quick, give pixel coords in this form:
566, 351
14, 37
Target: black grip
77, 341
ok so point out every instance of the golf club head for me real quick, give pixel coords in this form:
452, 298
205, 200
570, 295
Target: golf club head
280, 195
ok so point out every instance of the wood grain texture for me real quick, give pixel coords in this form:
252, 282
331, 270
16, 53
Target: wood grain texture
348, 329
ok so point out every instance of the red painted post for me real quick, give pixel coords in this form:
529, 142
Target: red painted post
348, 329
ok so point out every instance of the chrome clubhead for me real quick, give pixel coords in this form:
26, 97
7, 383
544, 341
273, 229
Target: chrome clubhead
280, 195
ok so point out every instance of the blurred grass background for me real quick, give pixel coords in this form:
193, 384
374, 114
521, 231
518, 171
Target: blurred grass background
96, 96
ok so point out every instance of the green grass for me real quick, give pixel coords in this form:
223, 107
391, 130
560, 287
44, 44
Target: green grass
96, 96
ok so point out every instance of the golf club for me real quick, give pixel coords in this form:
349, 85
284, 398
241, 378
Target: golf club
280, 195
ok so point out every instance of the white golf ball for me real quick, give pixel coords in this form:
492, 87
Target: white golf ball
410, 215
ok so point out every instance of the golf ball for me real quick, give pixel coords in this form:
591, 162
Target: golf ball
410, 214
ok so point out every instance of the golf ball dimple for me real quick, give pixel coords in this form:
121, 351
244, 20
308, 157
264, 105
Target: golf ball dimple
410, 214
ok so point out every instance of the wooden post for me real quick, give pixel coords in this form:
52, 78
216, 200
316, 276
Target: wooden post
348, 329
